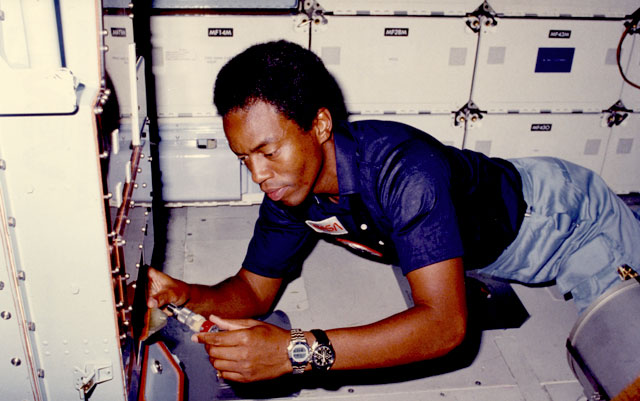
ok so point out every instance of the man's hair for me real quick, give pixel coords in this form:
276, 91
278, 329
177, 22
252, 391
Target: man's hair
283, 74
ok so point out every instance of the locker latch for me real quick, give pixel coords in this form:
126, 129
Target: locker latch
616, 114
93, 373
468, 113
482, 16
634, 24
314, 11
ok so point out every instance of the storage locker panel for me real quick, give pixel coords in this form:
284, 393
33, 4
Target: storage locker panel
196, 162
188, 52
440, 126
533, 65
579, 138
236, 4
398, 64
119, 35
402, 7
621, 168
630, 61
573, 8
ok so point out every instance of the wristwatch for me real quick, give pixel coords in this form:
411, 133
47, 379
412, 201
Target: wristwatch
323, 356
299, 351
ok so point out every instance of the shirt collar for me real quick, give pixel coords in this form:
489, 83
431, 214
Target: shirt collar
346, 164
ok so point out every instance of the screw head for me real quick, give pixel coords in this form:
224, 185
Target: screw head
157, 367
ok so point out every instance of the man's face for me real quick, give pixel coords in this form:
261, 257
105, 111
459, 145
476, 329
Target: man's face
283, 159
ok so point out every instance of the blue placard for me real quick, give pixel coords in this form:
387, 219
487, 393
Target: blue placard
555, 59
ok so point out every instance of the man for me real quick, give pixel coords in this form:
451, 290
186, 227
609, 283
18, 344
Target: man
394, 193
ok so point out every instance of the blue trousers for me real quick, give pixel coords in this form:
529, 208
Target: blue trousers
576, 231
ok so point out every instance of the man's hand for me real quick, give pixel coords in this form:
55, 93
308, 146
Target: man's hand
163, 289
248, 350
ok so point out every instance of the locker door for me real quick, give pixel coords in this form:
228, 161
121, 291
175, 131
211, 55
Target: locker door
188, 52
402, 7
621, 168
398, 64
548, 65
556, 8
580, 139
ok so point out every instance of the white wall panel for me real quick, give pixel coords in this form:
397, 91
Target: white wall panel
621, 167
575, 8
579, 138
29, 35
398, 64
440, 126
400, 7
188, 52
510, 54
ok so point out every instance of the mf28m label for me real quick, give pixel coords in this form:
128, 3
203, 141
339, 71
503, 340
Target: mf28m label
396, 31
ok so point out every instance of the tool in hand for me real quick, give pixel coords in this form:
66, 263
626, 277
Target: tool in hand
196, 322
157, 319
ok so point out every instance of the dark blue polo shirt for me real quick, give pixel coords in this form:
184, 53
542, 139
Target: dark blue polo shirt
404, 198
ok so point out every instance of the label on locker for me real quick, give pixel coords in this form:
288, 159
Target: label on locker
119, 32
559, 34
541, 127
220, 32
396, 31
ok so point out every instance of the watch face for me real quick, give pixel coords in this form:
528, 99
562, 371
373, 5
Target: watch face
300, 352
323, 357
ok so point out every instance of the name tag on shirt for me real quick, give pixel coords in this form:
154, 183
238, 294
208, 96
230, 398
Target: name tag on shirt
330, 226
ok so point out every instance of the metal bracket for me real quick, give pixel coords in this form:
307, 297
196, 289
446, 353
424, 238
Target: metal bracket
482, 16
93, 373
634, 24
314, 11
469, 112
617, 114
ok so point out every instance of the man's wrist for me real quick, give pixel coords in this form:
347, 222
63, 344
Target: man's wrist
187, 295
299, 351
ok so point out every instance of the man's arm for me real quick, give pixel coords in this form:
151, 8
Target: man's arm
244, 295
435, 325
252, 350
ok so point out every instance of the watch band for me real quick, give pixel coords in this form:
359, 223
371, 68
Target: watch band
323, 356
298, 335
299, 351
321, 336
